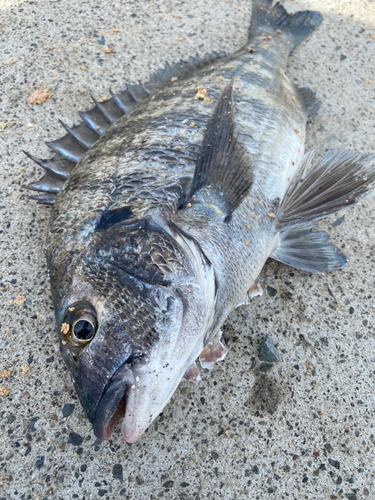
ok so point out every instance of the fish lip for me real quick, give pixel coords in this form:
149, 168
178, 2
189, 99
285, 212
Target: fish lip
113, 402
129, 424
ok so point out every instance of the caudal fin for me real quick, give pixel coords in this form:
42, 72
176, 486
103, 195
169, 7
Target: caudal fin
338, 181
295, 27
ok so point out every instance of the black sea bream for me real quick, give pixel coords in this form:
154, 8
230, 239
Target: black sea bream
168, 199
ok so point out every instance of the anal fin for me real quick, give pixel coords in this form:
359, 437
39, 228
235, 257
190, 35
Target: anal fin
303, 249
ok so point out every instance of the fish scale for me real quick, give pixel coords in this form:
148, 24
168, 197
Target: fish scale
166, 205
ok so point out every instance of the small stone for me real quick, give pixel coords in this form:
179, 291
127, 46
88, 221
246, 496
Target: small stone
102, 492
271, 291
75, 439
342, 57
268, 352
39, 463
168, 484
328, 447
139, 480
68, 409
351, 496
214, 454
334, 463
117, 472
31, 424
256, 469
184, 485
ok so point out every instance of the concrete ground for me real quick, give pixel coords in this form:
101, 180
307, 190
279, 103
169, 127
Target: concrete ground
305, 429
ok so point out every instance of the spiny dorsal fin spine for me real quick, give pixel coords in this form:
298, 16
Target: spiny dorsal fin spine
117, 101
95, 120
130, 90
49, 183
72, 135
101, 107
68, 148
72, 147
56, 165
84, 135
44, 199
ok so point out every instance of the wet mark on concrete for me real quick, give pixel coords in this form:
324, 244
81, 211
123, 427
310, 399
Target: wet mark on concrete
266, 394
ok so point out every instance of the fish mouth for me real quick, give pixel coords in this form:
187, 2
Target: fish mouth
114, 402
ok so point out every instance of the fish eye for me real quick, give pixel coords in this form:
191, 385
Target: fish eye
80, 324
83, 329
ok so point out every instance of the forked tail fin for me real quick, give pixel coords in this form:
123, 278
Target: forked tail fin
295, 27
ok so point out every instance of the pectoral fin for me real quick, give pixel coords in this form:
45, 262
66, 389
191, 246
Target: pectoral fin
223, 175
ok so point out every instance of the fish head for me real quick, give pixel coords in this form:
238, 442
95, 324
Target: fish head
132, 317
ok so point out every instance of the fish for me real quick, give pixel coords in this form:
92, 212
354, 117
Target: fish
166, 202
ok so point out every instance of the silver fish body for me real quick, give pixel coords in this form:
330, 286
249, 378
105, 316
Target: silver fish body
144, 267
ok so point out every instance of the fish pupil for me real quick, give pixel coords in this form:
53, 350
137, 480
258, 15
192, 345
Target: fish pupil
83, 330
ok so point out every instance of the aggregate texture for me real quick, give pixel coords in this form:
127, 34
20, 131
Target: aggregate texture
303, 429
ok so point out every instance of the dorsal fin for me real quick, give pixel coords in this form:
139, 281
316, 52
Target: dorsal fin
74, 145
223, 175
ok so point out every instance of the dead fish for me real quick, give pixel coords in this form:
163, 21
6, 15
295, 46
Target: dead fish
168, 199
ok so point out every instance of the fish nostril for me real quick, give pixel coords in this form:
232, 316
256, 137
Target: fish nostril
75, 357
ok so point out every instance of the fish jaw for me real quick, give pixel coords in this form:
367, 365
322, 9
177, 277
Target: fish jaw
114, 402
154, 386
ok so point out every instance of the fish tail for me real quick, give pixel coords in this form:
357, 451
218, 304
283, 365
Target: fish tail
294, 27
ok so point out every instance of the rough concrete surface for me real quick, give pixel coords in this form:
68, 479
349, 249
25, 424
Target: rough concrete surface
302, 430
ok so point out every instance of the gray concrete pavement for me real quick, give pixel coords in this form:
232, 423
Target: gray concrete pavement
305, 429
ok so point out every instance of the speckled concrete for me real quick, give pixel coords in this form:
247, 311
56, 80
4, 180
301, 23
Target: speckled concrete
303, 430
